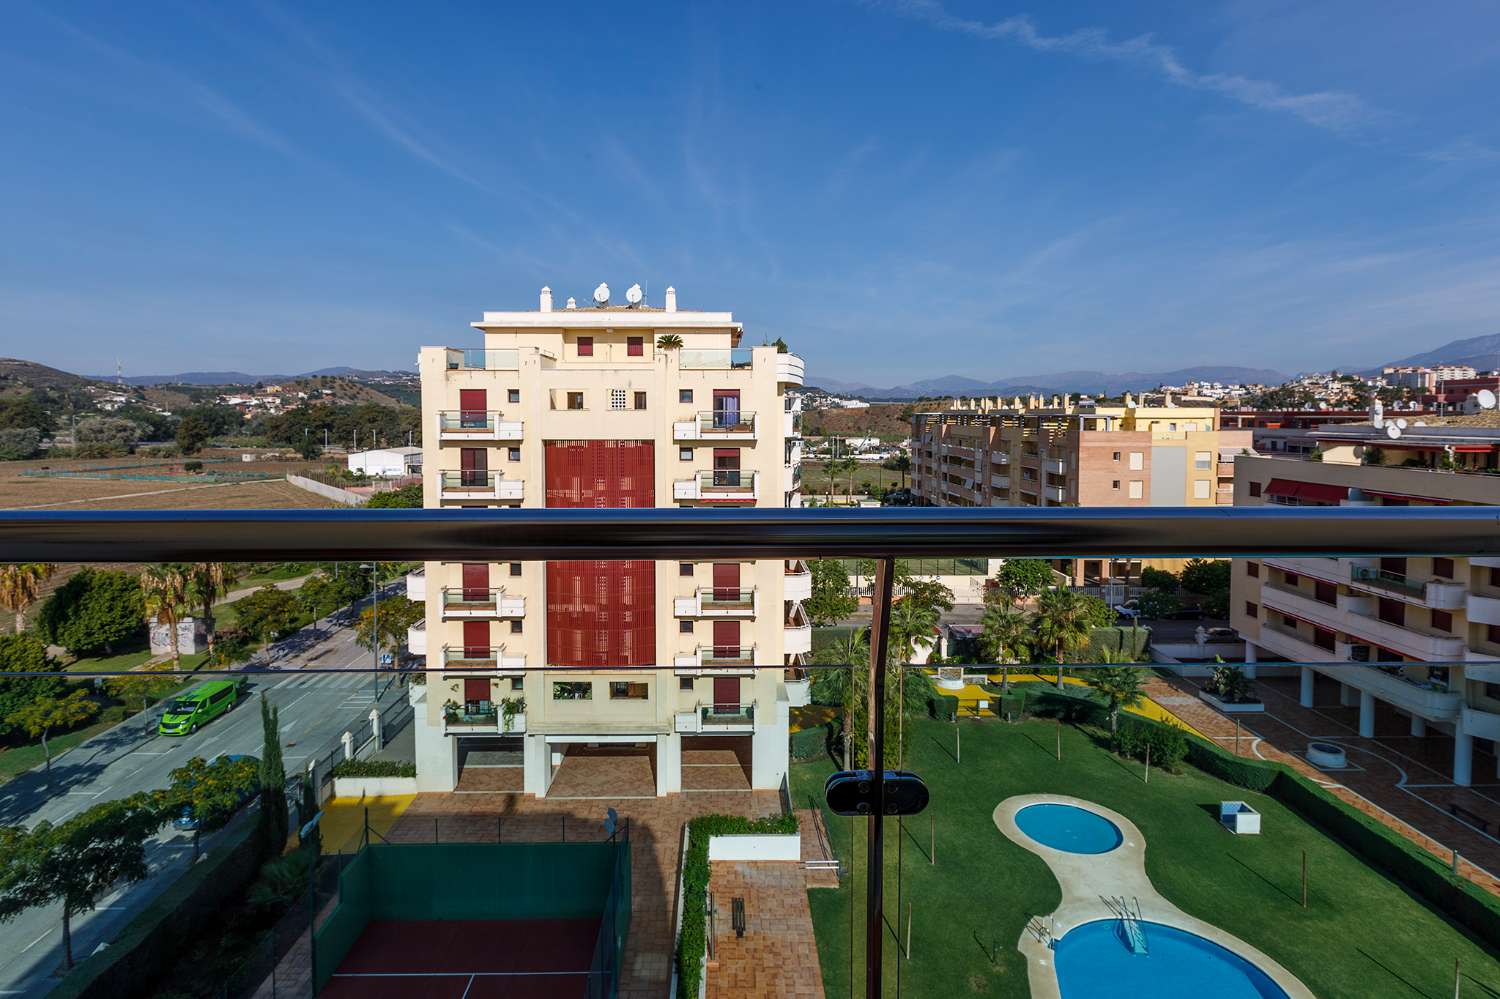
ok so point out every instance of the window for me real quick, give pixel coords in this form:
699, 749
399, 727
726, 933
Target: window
1290, 578
515, 568
513, 395
684, 683
1326, 593
635, 346
1252, 609
517, 683
625, 690
1202, 459
640, 400
1137, 489
1495, 576
684, 454
1442, 620
1114, 484
616, 398
1442, 568
1323, 638
515, 626
1391, 611
573, 690
513, 453
685, 570
684, 395
1117, 456
1255, 489
1252, 569
684, 627
585, 346
1492, 633
1200, 489
575, 400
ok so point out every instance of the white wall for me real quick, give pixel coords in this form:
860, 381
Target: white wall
436, 753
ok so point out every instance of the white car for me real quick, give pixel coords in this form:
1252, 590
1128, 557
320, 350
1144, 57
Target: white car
1130, 609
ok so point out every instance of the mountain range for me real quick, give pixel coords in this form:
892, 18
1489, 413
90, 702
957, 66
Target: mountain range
1111, 383
241, 378
1480, 352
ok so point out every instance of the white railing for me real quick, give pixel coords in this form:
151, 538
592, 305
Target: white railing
476, 425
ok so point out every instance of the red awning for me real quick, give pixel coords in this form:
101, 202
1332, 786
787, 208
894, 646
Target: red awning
1408, 497
1310, 492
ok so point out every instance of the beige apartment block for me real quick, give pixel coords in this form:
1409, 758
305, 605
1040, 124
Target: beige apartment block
1056, 452
1417, 635
585, 406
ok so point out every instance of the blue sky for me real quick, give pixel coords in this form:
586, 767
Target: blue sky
901, 189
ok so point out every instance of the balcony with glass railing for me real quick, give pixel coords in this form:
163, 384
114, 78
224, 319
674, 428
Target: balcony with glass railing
717, 602
482, 658
723, 485
716, 425
478, 484
481, 604
467, 426
482, 359
714, 358
706, 660
1441, 594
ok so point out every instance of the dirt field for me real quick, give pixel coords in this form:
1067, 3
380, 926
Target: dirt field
19, 491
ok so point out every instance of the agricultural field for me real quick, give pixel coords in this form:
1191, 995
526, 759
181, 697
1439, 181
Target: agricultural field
177, 490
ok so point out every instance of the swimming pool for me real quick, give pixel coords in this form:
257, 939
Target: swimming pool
1069, 828
1094, 960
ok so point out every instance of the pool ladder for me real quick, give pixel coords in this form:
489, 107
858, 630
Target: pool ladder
1130, 923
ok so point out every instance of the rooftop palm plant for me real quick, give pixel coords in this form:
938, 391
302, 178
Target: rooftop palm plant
669, 341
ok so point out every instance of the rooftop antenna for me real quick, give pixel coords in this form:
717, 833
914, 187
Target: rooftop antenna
119, 373
601, 295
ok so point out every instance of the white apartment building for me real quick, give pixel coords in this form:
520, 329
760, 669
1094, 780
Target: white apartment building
1435, 620
608, 405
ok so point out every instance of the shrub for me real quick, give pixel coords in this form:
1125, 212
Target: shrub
95, 609
1158, 579
1119, 645
282, 879
375, 768
19, 442
192, 466
1168, 743
943, 707
693, 941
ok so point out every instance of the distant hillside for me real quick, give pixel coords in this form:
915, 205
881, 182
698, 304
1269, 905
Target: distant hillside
1480, 352
18, 374
1062, 381
241, 378
888, 421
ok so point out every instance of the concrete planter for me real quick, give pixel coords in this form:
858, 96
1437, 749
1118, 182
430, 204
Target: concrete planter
373, 787
1230, 708
755, 847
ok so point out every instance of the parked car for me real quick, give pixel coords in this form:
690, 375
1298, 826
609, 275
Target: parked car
198, 707
188, 821
1186, 614
1130, 610
1221, 635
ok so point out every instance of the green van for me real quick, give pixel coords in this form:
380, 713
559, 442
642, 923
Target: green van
198, 706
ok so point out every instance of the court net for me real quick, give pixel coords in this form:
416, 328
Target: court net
467, 985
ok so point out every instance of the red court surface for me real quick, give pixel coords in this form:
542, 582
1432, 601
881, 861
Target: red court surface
481, 959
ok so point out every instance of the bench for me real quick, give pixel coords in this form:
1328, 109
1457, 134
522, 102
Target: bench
1464, 815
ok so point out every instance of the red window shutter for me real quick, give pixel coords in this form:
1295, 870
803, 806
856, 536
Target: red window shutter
476, 639
726, 580
726, 694
472, 408
476, 582
476, 689
635, 346
726, 639
585, 346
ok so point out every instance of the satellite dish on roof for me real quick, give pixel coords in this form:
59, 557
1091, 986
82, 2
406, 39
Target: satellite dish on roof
1401, 423
1392, 431
1485, 398
601, 294
633, 294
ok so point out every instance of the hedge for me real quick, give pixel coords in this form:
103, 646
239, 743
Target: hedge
146, 953
1119, 644
375, 768
810, 742
692, 942
943, 707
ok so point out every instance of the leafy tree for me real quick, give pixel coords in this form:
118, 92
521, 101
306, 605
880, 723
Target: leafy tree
1122, 687
19, 443
164, 593
193, 431
1004, 636
266, 613
105, 436
274, 821
1159, 579
24, 653
95, 609
395, 617
42, 716
1209, 579
405, 497
1155, 604
208, 582
77, 861
309, 448
831, 600
212, 791
846, 687
915, 617
1061, 626
1019, 579
26, 412
1095, 611
20, 585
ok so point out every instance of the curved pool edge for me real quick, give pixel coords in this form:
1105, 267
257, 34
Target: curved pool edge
1084, 878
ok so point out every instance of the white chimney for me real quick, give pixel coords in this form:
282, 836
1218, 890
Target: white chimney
671, 300
572, 304
546, 299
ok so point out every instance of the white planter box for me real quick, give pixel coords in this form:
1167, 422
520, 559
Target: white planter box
373, 787
755, 847
1239, 818
1244, 708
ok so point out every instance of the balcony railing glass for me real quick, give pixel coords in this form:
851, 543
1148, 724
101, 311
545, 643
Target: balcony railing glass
714, 358
483, 359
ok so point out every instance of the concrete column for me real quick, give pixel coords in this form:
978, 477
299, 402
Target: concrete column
1348, 696
1250, 660
1418, 726
534, 771
375, 728
1463, 756
436, 752
770, 746
668, 764
347, 740
1366, 714
1306, 694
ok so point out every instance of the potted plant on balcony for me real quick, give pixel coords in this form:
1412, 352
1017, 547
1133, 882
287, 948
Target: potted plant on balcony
509, 708
451, 713
1228, 689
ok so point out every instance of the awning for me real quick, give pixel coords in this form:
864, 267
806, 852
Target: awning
1409, 497
1309, 492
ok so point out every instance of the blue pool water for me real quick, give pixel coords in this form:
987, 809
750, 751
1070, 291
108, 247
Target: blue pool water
1069, 828
1094, 960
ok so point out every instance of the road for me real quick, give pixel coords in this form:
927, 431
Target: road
315, 708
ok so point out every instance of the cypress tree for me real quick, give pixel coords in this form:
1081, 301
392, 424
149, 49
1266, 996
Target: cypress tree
274, 820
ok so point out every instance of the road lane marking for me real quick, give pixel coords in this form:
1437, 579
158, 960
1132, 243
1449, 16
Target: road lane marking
36, 941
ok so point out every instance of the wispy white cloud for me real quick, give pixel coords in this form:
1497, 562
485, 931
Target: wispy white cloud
1334, 110
386, 121
1464, 150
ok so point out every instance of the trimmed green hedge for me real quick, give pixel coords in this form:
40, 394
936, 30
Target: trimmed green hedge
943, 707
692, 942
375, 768
144, 955
1120, 645
810, 742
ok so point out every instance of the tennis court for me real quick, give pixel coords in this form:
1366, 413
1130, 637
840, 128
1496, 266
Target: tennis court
471, 959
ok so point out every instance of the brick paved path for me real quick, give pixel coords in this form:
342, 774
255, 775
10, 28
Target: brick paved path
1395, 782
777, 957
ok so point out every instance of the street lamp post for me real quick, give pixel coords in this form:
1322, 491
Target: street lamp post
374, 568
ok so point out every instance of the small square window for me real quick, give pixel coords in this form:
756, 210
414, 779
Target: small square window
635, 346
515, 568
685, 569
515, 626
686, 682
1114, 484
585, 346
1442, 620
517, 683
513, 453
1116, 456
684, 627
616, 398
575, 400
684, 395
684, 454
1252, 569
1442, 567
512, 395
640, 400
1255, 489
1252, 610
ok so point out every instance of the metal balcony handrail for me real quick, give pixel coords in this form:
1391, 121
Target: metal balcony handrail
742, 711
460, 595
1386, 579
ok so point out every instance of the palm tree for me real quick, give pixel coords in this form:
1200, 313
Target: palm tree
903, 465
20, 585
1122, 687
1061, 626
206, 583
831, 469
1005, 637
164, 590
669, 341
845, 686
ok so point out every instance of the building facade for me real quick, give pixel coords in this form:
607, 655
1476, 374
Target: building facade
608, 406
1417, 637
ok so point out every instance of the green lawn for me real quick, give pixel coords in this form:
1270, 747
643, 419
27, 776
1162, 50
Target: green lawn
126, 661
1362, 936
23, 758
